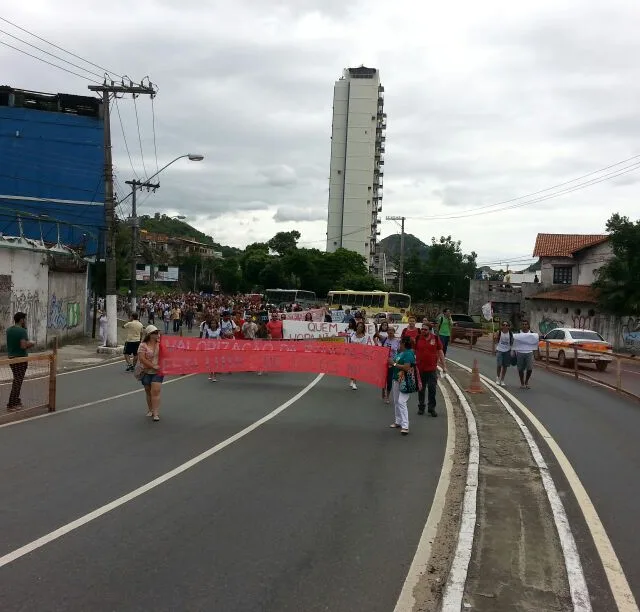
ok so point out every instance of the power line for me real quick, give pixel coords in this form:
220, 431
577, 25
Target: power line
15, 25
620, 171
124, 137
135, 105
82, 76
100, 76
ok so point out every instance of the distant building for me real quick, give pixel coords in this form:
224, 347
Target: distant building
357, 163
175, 246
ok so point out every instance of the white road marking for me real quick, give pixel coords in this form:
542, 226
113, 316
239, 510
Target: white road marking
616, 577
89, 404
116, 503
420, 563
112, 361
454, 588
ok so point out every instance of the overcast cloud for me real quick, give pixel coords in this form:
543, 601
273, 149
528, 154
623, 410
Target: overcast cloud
486, 102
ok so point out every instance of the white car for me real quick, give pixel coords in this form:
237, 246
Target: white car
592, 347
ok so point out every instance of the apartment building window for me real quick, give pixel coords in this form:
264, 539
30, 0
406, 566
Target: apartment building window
562, 275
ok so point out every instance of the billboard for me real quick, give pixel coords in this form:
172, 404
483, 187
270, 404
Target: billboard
52, 167
162, 274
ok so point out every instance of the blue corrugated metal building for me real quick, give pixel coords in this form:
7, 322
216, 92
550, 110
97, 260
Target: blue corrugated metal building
52, 168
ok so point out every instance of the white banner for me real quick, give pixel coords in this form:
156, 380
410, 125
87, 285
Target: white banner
487, 311
307, 330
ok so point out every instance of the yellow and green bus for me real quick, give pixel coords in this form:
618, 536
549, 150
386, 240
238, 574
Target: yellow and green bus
372, 301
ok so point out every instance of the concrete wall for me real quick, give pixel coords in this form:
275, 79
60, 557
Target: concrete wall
66, 306
622, 332
23, 288
53, 301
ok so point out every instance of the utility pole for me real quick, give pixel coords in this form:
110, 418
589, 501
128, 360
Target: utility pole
401, 271
106, 89
135, 234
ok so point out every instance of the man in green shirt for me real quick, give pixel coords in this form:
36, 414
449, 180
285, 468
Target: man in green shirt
443, 327
17, 345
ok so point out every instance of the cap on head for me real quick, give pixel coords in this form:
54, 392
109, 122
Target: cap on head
150, 329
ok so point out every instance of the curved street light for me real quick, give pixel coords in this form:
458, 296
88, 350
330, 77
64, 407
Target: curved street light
134, 219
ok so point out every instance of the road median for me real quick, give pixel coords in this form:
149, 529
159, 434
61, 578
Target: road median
516, 560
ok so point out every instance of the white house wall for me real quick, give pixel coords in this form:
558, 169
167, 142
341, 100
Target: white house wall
24, 287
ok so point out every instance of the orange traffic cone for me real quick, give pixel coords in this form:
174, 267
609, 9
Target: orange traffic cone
476, 385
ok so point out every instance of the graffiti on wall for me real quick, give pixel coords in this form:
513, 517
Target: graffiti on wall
581, 321
63, 314
20, 301
631, 335
547, 324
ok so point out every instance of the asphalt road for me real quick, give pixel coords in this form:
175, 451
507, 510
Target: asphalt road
599, 432
320, 508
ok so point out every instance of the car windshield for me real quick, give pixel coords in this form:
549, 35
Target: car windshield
586, 335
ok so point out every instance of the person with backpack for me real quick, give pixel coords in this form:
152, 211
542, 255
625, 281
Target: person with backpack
504, 343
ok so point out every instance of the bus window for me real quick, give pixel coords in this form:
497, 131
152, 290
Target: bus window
377, 301
366, 300
398, 300
356, 300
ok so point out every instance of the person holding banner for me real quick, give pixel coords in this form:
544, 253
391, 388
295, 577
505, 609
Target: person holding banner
393, 343
359, 336
404, 362
148, 370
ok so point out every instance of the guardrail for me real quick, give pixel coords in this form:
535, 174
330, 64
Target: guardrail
28, 384
623, 380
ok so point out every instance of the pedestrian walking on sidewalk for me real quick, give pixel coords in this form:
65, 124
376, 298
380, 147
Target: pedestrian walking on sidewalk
17, 344
444, 323
403, 384
525, 344
429, 352
504, 344
148, 370
102, 321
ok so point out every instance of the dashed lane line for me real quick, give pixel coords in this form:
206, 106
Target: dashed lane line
88, 404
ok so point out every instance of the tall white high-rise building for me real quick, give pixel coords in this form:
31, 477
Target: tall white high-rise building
357, 161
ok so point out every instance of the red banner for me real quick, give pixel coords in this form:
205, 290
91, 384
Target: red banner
180, 355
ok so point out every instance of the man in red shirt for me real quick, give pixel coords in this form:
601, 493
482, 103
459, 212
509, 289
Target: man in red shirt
411, 331
274, 327
428, 353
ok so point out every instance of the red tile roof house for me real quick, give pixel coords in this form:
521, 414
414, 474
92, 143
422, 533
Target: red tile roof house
565, 298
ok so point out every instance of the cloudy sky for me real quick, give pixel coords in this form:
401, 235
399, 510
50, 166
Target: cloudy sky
486, 102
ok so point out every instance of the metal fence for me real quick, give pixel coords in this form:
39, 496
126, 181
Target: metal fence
27, 385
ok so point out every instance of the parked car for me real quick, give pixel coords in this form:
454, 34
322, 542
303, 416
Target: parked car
592, 347
465, 328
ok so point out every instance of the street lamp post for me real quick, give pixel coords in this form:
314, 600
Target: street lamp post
135, 225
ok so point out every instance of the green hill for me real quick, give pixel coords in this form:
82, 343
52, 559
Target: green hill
391, 247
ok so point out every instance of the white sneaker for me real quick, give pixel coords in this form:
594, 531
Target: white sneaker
498, 381
354, 386
503, 384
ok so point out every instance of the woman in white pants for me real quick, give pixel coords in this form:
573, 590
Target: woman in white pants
405, 360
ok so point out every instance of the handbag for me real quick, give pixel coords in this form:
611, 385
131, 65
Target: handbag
514, 358
409, 381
